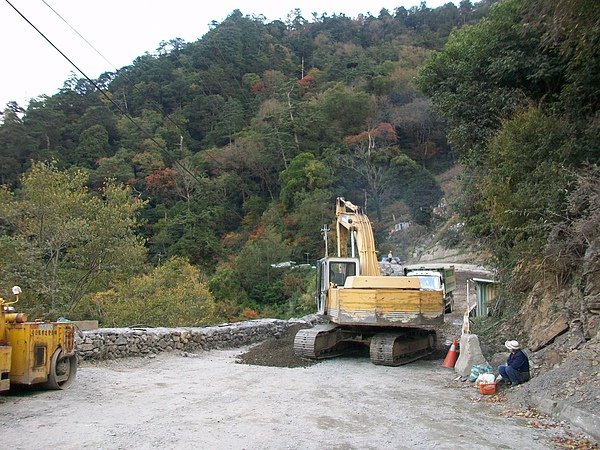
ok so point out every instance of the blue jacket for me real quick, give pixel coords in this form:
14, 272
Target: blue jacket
518, 361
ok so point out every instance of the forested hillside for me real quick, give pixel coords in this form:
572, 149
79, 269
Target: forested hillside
167, 192
520, 92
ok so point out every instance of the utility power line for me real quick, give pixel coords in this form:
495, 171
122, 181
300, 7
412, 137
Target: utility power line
93, 83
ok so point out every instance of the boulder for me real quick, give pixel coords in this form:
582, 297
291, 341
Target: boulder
547, 332
470, 354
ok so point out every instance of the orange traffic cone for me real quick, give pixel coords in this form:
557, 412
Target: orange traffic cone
450, 359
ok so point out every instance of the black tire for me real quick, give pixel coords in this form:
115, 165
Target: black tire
450, 306
62, 370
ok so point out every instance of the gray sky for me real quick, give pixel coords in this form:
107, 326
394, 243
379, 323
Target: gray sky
121, 30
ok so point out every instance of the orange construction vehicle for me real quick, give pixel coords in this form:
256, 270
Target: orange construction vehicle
36, 352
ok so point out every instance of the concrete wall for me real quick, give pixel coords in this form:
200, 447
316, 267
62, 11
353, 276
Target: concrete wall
111, 343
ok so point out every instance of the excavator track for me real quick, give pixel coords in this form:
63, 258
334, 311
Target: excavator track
387, 348
396, 349
317, 342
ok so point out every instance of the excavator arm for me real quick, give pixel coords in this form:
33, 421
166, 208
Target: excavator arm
354, 226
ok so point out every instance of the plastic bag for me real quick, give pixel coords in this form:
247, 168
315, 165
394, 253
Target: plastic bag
485, 378
478, 369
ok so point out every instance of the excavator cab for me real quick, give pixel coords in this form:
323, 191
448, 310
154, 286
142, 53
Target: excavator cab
333, 272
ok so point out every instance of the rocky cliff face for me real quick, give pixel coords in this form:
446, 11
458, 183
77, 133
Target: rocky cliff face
560, 328
590, 313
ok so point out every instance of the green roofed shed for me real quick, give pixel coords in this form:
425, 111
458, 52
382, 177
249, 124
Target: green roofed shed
485, 293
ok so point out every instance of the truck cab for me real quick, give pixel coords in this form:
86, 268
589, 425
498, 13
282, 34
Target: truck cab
434, 280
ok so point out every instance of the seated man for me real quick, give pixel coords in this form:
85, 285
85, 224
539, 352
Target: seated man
516, 369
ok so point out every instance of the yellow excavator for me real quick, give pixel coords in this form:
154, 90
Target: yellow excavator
34, 353
392, 315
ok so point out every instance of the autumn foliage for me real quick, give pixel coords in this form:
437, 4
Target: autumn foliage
161, 180
384, 132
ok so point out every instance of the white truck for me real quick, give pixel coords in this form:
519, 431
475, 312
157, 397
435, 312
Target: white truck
436, 279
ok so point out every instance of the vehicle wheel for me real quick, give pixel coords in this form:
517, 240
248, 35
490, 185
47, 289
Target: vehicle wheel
432, 341
62, 370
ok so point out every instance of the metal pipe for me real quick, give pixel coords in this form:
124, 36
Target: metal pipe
15, 317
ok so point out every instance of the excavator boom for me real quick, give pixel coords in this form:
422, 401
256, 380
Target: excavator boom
354, 230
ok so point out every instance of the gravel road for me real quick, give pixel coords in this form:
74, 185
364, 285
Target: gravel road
210, 401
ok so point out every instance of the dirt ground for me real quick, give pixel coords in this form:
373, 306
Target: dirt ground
209, 400
263, 397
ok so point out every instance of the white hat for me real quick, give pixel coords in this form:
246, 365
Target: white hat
512, 345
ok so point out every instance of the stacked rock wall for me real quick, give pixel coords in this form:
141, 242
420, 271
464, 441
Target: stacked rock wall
111, 343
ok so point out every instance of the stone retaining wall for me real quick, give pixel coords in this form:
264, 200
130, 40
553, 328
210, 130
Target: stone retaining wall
111, 343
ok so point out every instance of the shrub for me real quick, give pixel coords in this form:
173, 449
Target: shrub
171, 295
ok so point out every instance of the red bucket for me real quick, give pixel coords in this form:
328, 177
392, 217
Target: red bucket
487, 389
